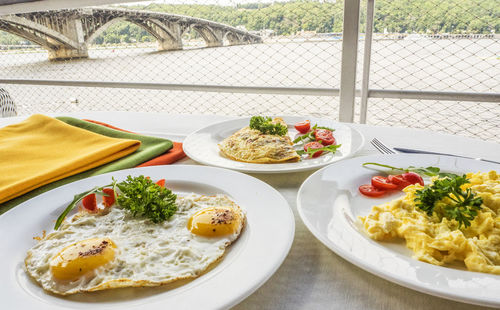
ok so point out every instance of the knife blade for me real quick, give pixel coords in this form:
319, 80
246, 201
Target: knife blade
412, 151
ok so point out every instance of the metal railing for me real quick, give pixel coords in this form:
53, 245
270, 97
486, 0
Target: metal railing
292, 74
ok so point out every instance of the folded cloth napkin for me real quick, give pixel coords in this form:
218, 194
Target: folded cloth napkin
174, 154
150, 147
41, 150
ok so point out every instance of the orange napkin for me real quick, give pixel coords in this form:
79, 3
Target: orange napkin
42, 149
171, 156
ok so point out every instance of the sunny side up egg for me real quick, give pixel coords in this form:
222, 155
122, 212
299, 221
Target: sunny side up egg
94, 252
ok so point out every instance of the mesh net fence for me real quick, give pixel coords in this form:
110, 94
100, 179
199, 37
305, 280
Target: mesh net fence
445, 45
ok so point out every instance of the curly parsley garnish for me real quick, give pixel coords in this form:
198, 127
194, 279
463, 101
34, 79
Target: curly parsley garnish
266, 126
464, 204
139, 195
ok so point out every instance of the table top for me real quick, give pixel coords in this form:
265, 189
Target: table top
312, 276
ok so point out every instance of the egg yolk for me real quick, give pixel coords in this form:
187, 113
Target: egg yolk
214, 222
81, 257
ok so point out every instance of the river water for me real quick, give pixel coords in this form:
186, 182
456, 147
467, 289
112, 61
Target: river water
465, 65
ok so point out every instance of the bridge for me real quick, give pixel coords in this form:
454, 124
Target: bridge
67, 33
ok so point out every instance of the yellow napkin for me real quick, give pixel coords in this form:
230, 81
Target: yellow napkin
42, 149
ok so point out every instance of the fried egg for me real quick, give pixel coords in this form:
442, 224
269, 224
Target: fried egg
252, 146
97, 251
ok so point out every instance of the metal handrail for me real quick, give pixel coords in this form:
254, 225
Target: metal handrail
268, 90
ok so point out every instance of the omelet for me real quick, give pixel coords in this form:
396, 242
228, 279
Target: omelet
441, 241
103, 250
252, 146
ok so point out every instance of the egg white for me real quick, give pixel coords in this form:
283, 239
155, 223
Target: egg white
147, 254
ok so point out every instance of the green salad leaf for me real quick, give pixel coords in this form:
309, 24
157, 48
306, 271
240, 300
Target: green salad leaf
327, 148
423, 171
76, 200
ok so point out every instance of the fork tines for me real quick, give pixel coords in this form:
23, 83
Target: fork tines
382, 148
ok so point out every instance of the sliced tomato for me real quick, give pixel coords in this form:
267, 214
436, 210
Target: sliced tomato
303, 127
314, 145
371, 191
109, 200
325, 136
161, 182
398, 180
413, 178
89, 202
381, 182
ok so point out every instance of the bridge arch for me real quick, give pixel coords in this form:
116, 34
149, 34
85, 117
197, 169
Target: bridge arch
231, 38
212, 37
34, 32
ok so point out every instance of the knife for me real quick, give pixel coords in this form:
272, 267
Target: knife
403, 150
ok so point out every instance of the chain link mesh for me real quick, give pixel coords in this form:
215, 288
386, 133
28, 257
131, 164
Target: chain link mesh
459, 61
299, 58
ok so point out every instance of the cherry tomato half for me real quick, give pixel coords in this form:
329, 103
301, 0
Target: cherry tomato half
413, 178
89, 202
371, 191
314, 145
109, 200
383, 183
303, 127
398, 180
325, 136
161, 182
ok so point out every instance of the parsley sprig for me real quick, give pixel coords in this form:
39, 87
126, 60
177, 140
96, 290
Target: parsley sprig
266, 126
143, 197
140, 195
423, 171
464, 206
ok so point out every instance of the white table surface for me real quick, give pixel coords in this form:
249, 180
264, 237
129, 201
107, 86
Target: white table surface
312, 276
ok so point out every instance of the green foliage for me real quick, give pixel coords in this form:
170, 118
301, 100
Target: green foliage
288, 18
464, 204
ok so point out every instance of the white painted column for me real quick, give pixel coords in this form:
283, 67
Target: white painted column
350, 35
370, 12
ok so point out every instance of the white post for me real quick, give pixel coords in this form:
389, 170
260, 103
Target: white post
350, 35
370, 9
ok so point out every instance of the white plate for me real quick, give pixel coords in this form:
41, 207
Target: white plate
247, 264
329, 203
202, 145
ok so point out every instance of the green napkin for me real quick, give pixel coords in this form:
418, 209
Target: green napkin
151, 147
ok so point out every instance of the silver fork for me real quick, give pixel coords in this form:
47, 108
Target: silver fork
382, 148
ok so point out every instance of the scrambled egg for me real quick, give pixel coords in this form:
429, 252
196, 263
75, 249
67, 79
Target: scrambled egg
438, 241
252, 146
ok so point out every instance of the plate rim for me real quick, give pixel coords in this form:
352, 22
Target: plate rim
379, 272
153, 304
250, 170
